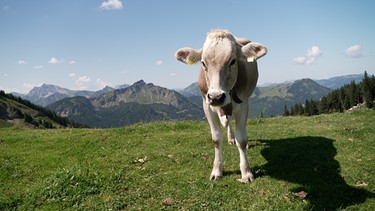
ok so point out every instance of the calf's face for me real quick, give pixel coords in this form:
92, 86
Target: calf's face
219, 59
219, 63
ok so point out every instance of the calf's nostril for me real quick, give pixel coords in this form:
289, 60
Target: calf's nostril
216, 98
221, 97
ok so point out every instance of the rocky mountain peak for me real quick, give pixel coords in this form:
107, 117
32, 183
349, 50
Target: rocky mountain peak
140, 83
45, 91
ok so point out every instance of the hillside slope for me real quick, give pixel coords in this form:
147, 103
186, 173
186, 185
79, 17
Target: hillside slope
270, 101
15, 111
322, 162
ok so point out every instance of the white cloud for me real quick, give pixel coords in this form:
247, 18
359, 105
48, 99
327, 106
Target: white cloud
54, 60
310, 60
172, 74
354, 51
22, 62
101, 84
299, 60
83, 82
84, 79
111, 5
312, 54
72, 62
28, 86
72, 75
38, 66
159, 62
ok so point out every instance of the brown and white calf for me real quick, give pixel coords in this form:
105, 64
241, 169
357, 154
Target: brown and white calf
227, 78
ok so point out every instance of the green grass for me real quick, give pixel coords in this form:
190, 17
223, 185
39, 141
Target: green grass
166, 165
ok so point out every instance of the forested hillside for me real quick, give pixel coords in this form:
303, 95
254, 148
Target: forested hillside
347, 97
17, 111
269, 101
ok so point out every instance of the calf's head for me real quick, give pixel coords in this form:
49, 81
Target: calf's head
219, 57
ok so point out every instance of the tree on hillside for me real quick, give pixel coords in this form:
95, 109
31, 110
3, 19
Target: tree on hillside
311, 108
340, 99
334, 103
286, 111
352, 94
28, 118
368, 87
297, 110
323, 105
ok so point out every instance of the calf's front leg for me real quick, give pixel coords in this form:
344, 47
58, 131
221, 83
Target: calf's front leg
217, 139
241, 142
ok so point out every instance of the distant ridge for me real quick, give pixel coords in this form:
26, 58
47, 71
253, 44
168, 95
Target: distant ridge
191, 90
48, 93
339, 81
140, 102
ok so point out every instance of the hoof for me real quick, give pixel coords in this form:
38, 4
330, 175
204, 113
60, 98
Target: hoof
231, 141
215, 177
246, 179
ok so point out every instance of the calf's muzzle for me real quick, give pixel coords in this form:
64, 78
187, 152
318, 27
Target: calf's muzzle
216, 99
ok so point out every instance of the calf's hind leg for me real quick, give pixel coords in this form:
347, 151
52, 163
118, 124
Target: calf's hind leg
230, 134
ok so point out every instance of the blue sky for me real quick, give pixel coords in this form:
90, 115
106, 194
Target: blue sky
88, 44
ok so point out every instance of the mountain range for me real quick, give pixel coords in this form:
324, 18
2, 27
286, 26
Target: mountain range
48, 93
140, 102
144, 102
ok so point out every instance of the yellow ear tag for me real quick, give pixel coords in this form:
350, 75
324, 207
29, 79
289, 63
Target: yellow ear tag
190, 61
250, 59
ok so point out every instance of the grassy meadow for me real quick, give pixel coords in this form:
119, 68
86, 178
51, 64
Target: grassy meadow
323, 162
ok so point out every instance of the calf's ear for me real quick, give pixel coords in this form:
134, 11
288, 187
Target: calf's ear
188, 55
253, 51
242, 41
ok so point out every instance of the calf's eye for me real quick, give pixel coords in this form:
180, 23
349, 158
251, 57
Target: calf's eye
232, 62
204, 65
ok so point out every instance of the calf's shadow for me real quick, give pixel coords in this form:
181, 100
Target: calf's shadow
310, 163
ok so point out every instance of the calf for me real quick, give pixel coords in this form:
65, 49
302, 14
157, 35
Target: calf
227, 78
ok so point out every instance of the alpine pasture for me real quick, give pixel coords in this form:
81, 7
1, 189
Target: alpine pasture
323, 162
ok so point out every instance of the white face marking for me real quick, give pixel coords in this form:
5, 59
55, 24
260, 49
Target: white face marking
219, 61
